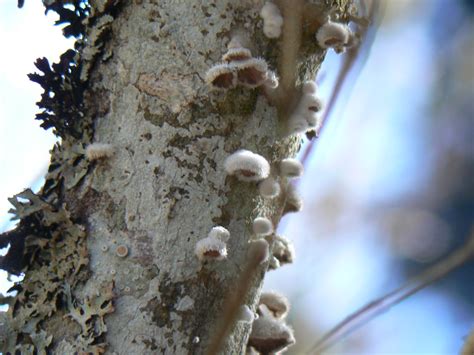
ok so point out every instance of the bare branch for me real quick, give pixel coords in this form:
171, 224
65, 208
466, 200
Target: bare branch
384, 303
373, 17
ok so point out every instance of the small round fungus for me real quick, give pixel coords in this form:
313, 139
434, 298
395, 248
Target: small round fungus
272, 20
121, 251
283, 250
291, 168
220, 233
269, 188
96, 151
294, 202
247, 166
221, 76
309, 88
212, 247
251, 72
245, 314
262, 226
272, 80
304, 117
333, 35
276, 303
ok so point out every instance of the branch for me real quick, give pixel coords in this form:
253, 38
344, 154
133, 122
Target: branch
384, 303
237, 295
373, 17
290, 45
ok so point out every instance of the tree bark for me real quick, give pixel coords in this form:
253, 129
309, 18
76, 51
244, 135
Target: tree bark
163, 189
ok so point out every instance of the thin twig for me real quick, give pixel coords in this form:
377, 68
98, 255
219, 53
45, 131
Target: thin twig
234, 300
292, 11
384, 303
351, 56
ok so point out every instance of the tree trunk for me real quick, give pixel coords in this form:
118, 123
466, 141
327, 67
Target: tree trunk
141, 74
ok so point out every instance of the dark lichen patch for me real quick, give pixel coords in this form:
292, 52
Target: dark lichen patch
239, 101
161, 309
156, 119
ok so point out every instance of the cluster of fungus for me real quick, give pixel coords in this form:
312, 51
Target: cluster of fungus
214, 246
239, 67
335, 35
305, 115
270, 334
272, 20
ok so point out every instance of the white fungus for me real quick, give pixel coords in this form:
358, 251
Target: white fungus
269, 188
270, 335
221, 76
262, 226
272, 81
294, 202
219, 232
245, 314
333, 35
276, 303
213, 247
305, 117
96, 151
309, 88
272, 20
247, 166
283, 250
291, 168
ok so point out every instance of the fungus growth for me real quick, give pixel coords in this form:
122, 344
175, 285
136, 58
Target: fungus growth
96, 151
272, 20
214, 246
334, 35
269, 188
304, 117
247, 166
262, 226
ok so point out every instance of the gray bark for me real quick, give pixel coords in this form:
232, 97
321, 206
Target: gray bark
162, 190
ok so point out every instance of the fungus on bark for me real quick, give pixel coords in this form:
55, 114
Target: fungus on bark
304, 117
252, 72
283, 250
276, 303
291, 168
270, 335
221, 76
214, 246
247, 166
96, 151
269, 188
272, 20
294, 202
333, 35
262, 226
245, 314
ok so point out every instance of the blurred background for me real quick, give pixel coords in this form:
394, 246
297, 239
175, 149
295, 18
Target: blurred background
388, 187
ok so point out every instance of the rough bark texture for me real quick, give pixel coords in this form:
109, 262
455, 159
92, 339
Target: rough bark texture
162, 191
